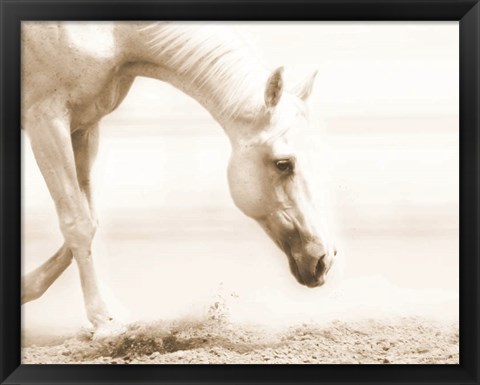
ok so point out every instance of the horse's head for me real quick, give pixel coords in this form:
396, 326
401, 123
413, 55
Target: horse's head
268, 180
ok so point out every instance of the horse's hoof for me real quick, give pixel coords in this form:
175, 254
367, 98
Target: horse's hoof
109, 329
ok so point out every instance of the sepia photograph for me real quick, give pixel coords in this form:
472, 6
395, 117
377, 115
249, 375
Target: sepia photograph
240, 192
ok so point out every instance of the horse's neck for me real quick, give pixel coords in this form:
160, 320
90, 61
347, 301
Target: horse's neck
209, 63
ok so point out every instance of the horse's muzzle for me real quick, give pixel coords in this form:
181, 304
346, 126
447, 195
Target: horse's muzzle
309, 256
310, 269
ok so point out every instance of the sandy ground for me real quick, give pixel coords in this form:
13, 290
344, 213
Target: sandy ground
213, 340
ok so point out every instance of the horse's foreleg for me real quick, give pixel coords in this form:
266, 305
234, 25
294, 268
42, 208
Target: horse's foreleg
35, 283
85, 148
51, 142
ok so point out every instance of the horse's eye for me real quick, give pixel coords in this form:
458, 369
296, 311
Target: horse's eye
284, 165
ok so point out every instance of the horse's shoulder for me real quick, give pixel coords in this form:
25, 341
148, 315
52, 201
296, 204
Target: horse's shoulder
73, 59
96, 41
57, 45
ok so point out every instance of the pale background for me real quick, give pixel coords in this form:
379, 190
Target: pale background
386, 151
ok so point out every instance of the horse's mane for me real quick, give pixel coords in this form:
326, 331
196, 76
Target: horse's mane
215, 59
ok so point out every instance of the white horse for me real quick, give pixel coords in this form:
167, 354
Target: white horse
73, 74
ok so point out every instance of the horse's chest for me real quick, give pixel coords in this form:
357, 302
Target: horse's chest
108, 97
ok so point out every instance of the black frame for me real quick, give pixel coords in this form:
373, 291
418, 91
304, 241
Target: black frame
12, 12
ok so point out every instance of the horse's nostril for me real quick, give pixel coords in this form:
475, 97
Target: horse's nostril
320, 266
335, 252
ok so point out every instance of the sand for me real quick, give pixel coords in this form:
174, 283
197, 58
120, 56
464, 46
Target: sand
214, 340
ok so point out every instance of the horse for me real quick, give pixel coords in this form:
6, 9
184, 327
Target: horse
73, 74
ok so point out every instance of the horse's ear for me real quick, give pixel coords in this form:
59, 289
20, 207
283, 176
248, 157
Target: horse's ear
274, 88
304, 89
